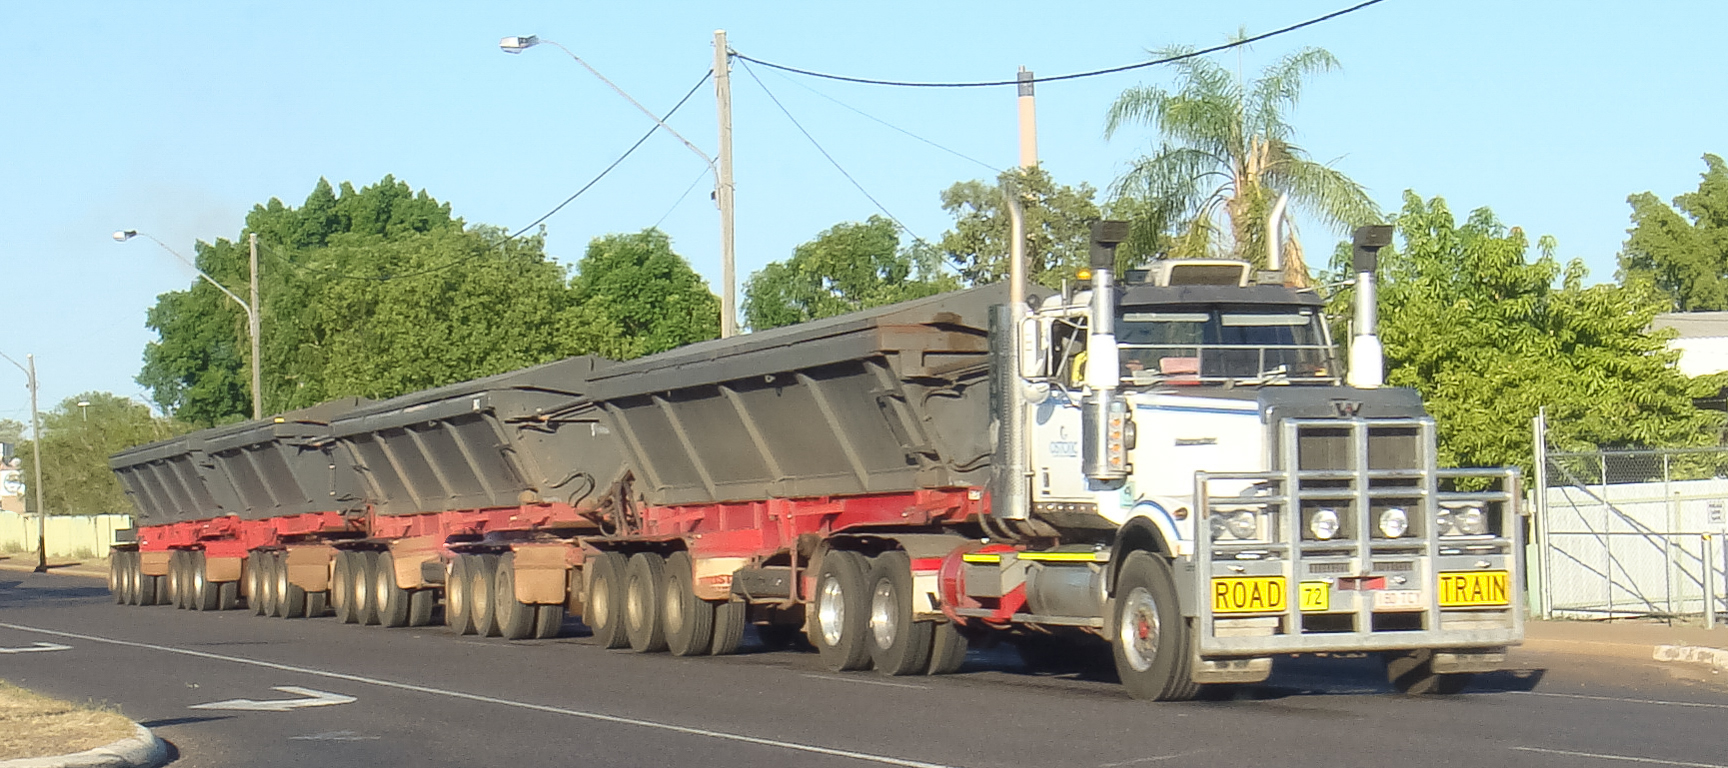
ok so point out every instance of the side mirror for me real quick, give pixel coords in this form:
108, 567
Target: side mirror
1034, 352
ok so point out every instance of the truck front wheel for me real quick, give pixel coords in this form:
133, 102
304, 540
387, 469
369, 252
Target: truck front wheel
1153, 649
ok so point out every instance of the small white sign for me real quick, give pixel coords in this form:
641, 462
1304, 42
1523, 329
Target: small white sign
1398, 600
313, 699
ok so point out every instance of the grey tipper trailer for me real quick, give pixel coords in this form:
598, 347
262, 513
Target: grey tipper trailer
885, 400
516, 438
165, 483
279, 466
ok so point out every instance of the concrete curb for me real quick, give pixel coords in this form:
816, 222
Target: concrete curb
141, 750
1717, 658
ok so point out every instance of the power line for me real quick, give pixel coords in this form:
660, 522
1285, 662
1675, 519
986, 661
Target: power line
831, 160
1073, 76
668, 213
869, 116
519, 232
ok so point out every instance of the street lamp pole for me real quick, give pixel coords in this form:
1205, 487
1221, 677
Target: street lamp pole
722, 170
36, 452
253, 325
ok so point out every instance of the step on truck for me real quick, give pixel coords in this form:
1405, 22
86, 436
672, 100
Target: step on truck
1171, 473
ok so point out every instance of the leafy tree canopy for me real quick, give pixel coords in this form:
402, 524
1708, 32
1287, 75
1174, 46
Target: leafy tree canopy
1682, 251
76, 443
848, 267
1483, 332
1058, 227
634, 296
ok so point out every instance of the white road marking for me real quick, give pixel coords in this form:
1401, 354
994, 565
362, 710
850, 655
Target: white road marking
868, 682
596, 716
1621, 758
38, 647
314, 699
1151, 759
1696, 704
334, 736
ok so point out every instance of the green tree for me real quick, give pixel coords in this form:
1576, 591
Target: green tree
1058, 227
11, 431
846, 268
1682, 251
76, 444
633, 296
1484, 333
1226, 153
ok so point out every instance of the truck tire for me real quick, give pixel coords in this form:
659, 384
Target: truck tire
206, 596
227, 595
117, 582
458, 609
267, 566
342, 587
689, 619
730, 619
290, 597
482, 592
841, 612
515, 619
603, 610
128, 578
158, 586
1154, 655
898, 645
364, 569
422, 603
1412, 673
947, 649
174, 578
317, 604
644, 588
548, 621
392, 600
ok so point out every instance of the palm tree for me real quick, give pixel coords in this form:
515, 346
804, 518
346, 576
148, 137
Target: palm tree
1226, 152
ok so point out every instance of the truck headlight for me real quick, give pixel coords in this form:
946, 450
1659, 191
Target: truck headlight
1323, 524
1470, 521
1241, 524
1443, 523
1394, 522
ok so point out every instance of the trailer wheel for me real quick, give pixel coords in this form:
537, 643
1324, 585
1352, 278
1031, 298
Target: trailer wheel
515, 619
227, 595
158, 587
458, 609
364, 569
947, 649
730, 618
842, 612
1412, 673
421, 605
603, 610
272, 599
290, 597
342, 587
392, 600
206, 596
482, 593
898, 645
644, 586
1152, 643
116, 581
317, 604
176, 579
129, 578
255, 583
689, 619
548, 621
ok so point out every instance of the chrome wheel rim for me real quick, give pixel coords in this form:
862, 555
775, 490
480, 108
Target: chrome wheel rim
883, 614
831, 610
1139, 631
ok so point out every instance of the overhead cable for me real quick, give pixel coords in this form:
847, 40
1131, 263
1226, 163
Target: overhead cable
868, 116
1072, 76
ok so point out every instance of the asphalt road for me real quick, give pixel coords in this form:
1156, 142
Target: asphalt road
424, 698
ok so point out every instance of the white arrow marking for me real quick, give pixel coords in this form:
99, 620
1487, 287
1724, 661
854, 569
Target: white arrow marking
37, 647
316, 699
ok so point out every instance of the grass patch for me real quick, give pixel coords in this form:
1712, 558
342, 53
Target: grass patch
33, 725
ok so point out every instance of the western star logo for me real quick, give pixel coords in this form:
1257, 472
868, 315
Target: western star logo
1347, 409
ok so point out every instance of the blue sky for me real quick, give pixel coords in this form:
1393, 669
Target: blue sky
174, 118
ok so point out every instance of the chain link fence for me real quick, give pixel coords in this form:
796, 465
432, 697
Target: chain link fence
1623, 534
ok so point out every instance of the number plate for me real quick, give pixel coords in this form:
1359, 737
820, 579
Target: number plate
1316, 596
1473, 588
1398, 600
1249, 594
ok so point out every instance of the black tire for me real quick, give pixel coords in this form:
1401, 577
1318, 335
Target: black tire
205, 594
255, 582
1412, 673
390, 599
129, 579
342, 587
515, 619
603, 606
227, 595
267, 586
458, 608
483, 593
840, 623
548, 621
317, 604
644, 588
1152, 644
290, 597
116, 576
730, 619
898, 645
364, 567
422, 603
688, 619
947, 649
176, 579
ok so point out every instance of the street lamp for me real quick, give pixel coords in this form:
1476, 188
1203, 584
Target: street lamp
84, 408
36, 451
722, 169
252, 322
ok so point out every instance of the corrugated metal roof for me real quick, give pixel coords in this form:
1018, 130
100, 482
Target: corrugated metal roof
1694, 325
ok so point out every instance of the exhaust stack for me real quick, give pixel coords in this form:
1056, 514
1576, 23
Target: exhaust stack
1367, 357
1011, 473
1104, 450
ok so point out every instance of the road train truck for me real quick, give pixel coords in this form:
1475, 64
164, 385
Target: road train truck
1171, 471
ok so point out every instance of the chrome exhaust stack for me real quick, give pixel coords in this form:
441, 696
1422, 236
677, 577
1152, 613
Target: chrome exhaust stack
1367, 356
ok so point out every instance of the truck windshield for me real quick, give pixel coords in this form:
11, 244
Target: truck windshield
1254, 344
